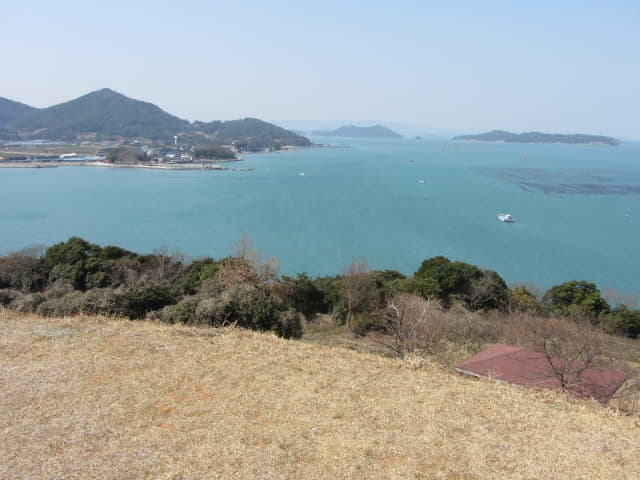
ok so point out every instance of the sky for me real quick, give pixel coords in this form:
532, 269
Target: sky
465, 66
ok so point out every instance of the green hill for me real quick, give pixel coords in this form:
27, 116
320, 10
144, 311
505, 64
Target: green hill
100, 114
11, 111
106, 114
537, 137
377, 131
249, 134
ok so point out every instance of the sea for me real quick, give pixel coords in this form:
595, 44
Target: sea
393, 203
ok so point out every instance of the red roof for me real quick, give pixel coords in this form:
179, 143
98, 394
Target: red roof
533, 369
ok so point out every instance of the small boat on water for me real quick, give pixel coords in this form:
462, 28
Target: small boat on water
506, 217
420, 181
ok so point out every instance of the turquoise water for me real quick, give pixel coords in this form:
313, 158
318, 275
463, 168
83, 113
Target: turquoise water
577, 208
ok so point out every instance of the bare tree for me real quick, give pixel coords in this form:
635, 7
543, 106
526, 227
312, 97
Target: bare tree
166, 265
358, 289
616, 298
568, 349
413, 324
246, 267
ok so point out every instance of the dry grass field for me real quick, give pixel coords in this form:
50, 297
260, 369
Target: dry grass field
91, 397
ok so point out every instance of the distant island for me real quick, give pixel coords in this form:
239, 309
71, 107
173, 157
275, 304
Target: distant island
377, 131
537, 137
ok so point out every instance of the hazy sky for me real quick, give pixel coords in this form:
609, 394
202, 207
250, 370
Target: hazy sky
560, 66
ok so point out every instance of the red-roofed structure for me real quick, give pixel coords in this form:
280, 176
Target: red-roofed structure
533, 369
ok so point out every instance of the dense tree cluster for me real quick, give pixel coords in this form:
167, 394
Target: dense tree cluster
250, 134
125, 156
80, 277
213, 152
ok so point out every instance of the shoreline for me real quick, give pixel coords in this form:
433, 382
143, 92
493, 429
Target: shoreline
167, 166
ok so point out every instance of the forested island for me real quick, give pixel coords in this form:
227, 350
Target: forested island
352, 131
537, 137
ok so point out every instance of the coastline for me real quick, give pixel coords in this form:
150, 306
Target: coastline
167, 166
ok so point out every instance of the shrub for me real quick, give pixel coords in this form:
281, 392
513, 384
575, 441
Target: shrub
425, 287
413, 324
246, 305
26, 303
182, 312
623, 321
454, 279
362, 323
101, 301
144, 297
24, 270
301, 294
69, 304
331, 289
251, 306
72, 273
339, 313
198, 271
520, 299
289, 325
487, 292
7, 296
71, 252
576, 299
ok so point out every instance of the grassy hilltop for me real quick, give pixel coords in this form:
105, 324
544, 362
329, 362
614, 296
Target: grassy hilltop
93, 397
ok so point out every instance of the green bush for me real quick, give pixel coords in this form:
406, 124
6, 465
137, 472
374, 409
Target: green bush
251, 306
623, 321
246, 305
423, 287
289, 325
7, 296
454, 279
339, 313
74, 274
182, 312
301, 294
144, 297
23, 270
576, 299
523, 300
193, 275
363, 323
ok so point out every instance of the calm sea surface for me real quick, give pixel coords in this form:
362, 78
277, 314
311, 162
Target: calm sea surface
577, 208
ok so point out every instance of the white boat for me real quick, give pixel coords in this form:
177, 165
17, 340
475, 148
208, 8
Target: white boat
506, 217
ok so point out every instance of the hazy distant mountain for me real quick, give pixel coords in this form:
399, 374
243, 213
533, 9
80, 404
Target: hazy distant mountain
376, 131
105, 114
537, 137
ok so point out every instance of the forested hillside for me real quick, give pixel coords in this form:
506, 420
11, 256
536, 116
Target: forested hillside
105, 114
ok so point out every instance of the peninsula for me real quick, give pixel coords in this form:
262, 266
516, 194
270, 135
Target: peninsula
106, 126
537, 137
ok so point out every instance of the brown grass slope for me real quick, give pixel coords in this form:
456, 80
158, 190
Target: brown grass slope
103, 398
